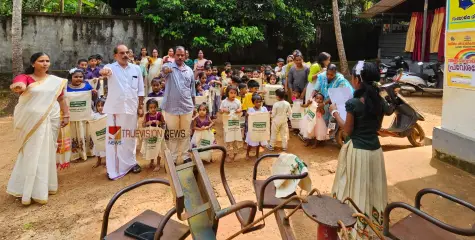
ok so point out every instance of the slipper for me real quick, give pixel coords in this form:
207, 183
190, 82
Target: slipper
136, 169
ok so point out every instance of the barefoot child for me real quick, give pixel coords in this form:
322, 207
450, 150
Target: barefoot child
81, 141
307, 125
231, 105
153, 118
281, 111
257, 101
202, 121
321, 130
97, 115
200, 124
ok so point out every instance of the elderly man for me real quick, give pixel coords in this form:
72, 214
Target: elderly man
124, 102
178, 105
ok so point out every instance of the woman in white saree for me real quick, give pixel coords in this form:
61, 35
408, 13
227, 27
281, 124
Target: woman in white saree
155, 66
37, 121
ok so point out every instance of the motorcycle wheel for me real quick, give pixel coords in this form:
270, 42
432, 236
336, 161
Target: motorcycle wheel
340, 137
417, 136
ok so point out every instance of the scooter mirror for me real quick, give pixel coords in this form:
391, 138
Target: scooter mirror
420, 63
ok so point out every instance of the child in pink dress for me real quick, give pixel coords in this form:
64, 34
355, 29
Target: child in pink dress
321, 130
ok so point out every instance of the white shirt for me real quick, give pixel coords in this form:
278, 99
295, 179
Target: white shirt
125, 85
230, 105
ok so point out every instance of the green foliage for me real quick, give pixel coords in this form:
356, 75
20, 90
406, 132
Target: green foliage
92, 7
225, 24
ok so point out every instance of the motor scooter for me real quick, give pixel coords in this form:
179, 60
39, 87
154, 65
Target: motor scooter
420, 82
388, 71
404, 123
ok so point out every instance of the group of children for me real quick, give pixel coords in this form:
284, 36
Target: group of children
233, 93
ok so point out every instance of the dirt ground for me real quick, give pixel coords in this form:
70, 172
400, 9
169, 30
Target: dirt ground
75, 212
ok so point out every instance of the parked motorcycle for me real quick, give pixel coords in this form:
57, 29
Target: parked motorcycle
404, 123
388, 71
419, 82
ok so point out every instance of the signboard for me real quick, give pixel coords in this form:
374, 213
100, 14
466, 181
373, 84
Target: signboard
461, 14
460, 59
460, 44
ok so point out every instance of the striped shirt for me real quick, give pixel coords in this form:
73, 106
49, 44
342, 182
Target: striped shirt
179, 90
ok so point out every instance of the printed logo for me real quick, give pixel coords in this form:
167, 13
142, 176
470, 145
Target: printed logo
464, 4
152, 140
296, 115
100, 132
311, 114
77, 104
272, 93
205, 142
233, 123
259, 124
115, 137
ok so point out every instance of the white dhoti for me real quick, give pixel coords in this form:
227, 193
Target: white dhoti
120, 145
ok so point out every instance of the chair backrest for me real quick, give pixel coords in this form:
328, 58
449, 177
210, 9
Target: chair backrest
177, 191
194, 196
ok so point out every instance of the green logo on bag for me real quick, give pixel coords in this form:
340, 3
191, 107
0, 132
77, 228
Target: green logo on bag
259, 124
272, 93
101, 132
152, 140
77, 104
311, 114
296, 115
233, 123
205, 142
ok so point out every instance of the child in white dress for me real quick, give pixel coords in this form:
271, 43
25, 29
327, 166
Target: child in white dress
97, 115
257, 101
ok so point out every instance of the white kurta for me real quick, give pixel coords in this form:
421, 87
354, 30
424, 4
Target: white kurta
125, 86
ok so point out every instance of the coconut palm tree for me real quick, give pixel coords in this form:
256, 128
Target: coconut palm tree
339, 39
17, 52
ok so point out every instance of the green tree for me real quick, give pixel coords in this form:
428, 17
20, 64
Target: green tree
225, 24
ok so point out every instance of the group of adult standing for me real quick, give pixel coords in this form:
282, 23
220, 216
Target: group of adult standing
37, 120
152, 65
361, 159
42, 110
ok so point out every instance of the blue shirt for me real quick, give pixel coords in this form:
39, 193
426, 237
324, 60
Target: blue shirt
177, 97
87, 87
322, 85
90, 74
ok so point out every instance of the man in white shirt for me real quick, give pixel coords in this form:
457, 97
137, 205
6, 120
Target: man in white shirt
124, 101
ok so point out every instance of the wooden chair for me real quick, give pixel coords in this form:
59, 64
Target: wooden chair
194, 196
420, 225
265, 195
166, 228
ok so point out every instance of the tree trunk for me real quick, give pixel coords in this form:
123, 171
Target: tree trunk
17, 52
79, 7
61, 6
339, 39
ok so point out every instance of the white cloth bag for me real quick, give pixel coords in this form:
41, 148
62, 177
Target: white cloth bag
201, 139
97, 130
297, 114
232, 128
259, 126
270, 98
153, 144
79, 105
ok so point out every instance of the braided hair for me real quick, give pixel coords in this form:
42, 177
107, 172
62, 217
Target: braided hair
368, 77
